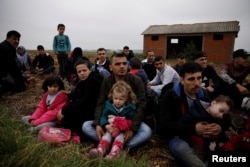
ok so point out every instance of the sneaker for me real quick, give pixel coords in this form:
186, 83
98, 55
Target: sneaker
94, 153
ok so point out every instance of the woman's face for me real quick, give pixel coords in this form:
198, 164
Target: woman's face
82, 71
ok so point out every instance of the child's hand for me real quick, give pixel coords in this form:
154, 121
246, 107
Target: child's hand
32, 122
109, 128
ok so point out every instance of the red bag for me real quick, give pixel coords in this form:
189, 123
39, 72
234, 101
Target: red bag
54, 135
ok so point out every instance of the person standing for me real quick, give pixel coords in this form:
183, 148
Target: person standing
11, 78
139, 132
62, 47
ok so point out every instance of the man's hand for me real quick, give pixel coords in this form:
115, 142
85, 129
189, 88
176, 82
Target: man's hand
208, 130
128, 135
242, 89
99, 132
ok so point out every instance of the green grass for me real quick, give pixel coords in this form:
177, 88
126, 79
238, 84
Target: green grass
20, 148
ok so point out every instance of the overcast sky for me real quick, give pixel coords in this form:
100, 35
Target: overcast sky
112, 24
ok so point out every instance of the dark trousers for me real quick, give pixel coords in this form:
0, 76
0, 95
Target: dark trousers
62, 58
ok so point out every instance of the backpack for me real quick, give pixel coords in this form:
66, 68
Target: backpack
56, 135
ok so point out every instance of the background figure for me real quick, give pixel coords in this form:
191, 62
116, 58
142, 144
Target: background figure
128, 53
82, 98
148, 65
181, 59
70, 69
233, 75
102, 63
24, 59
52, 101
210, 79
11, 78
62, 47
165, 74
43, 62
121, 103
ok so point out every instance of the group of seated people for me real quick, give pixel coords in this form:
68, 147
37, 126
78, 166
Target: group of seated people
192, 114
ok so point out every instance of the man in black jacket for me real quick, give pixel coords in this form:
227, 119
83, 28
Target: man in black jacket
173, 105
11, 78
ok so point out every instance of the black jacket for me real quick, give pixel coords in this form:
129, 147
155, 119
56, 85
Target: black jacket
9, 65
82, 103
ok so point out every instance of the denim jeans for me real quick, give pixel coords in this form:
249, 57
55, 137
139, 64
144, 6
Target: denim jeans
184, 154
143, 134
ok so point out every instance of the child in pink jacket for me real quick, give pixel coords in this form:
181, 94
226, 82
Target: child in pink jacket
52, 101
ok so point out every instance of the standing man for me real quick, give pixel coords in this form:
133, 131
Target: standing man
174, 104
165, 74
139, 132
62, 47
148, 65
11, 78
128, 53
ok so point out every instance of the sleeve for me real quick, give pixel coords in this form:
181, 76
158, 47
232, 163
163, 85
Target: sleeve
51, 113
225, 77
101, 101
34, 63
140, 104
215, 78
68, 44
40, 109
55, 44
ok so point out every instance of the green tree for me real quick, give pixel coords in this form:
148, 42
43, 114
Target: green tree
190, 50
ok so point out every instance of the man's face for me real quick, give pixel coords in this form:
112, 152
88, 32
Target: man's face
159, 65
126, 51
151, 57
191, 83
181, 61
240, 62
101, 55
119, 66
202, 61
41, 52
14, 41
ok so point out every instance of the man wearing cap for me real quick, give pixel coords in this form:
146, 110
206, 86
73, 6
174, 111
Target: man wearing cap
180, 61
208, 74
234, 74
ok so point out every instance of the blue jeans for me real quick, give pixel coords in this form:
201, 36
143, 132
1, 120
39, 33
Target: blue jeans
184, 154
143, 134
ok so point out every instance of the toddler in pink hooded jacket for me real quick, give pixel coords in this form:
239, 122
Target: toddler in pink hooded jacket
52, 101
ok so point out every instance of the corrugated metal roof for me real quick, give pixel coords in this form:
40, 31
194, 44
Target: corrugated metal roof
211, 27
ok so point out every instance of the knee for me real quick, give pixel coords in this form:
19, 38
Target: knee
178, 146
146, 129
86, 126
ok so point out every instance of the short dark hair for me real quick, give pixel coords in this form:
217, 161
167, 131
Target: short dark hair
117, 55
81, 61
100, 49
13, 33
190, 67
125, 47
60, 25
226, 99
51, 80
40, 47
240, 53
135, 63
158, 58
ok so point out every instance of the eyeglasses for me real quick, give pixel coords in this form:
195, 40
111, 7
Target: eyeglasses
101, 53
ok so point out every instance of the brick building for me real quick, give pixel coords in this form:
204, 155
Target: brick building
216, 39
